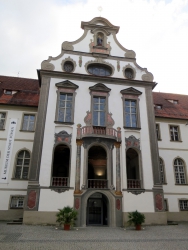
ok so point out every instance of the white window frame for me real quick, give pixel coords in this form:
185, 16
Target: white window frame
2, 119
28, 122
183, 205
99, 111
162, 170
174, 130
179, 172
22, 165
15, 201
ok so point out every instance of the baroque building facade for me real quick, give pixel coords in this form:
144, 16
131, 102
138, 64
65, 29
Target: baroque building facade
91, 134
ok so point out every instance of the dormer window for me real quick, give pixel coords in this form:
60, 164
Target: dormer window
158, 106
173, 101
8, 92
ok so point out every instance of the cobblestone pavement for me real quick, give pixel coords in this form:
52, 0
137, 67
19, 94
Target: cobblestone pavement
50, 237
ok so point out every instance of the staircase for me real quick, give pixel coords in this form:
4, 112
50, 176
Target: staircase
16, 222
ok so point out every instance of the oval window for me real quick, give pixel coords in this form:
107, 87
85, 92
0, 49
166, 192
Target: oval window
129, 73
99, 70
68, 66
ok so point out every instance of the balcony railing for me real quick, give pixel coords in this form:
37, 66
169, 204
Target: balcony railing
98, 131
94, 183
60, 181
132, 183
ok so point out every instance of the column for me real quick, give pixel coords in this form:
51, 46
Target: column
118, 172
78, 162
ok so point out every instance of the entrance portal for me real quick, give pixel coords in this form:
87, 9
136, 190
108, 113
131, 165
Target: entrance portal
97, 210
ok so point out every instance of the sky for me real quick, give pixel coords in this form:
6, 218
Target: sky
157, 30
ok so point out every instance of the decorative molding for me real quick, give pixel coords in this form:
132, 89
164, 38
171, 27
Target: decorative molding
130, 91
68, 59
159, 202
67, 46
59, 190
108, 142
136, 191
110, 121
128, 66
99, 61
63, 136
67, 85
47, 66
88, 118
118, 65
132, 142
32, 197
80, 61
148, 77
100, 87
130, 54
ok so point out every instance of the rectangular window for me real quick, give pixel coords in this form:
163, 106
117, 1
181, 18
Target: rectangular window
28, 122
165, 205
2, 120
183, 205
158, 132
130, 114
99, 111
65, 107
174, 133
17, 202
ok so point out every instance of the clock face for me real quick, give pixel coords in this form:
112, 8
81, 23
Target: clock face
129, 73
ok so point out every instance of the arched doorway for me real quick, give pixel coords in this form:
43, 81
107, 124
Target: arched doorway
133, 173
60, 172
97, 210
97, 167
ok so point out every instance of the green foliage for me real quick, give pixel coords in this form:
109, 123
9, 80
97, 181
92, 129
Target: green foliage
136, 218
67, 215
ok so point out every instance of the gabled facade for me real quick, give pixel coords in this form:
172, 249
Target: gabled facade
95, 146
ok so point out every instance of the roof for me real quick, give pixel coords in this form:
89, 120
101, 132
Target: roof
25, 91
169, 109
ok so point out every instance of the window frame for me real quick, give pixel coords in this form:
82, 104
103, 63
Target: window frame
164, 175
3, 112
184, 172
159, 131
131, 94
22, 122
15, 165
166, 206
65, 87
179, 134
179, 201
16, 196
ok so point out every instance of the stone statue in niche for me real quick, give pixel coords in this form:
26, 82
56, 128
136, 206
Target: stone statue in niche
99, 40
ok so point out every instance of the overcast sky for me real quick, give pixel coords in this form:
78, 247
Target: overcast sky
157, 30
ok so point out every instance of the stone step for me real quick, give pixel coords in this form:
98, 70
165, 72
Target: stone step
14, 223
172, 223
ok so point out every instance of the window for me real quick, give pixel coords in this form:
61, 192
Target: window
65, 102
99, 111
28, 122
165, 205
8, 92
129, 73
17, 202
158, 132
99, 70
65, 107
68, 66
179, 170
2, 120
130, 113
174, 133
162, 170
183, 205
158, 106
22, 165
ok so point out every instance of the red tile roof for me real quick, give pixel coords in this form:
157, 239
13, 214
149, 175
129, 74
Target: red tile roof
27, 91
171, 110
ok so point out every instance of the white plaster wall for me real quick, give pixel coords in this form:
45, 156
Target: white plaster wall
5, 198
142, 202
52, 201
173, 201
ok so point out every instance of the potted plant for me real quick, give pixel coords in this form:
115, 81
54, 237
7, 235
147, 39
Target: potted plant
137, 219
67, 217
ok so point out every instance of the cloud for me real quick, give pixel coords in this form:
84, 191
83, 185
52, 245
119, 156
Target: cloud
155, 29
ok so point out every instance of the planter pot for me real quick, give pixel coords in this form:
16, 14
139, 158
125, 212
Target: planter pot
66, 227
138, 227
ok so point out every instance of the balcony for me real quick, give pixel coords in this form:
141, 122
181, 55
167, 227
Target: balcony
90, 131
60, 181
97, 183
133, 184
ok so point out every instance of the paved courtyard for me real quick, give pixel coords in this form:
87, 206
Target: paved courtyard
100, 238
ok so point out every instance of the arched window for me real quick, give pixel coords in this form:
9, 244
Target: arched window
22, 165
179, 170
162, 171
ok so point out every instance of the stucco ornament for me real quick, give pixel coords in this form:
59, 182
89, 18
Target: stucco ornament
68, 59
47, 66
59, 190
128, 66
63, 136
148, 77
136, 191
67, 46
118, 66
132, 142
80, 61
130, 54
